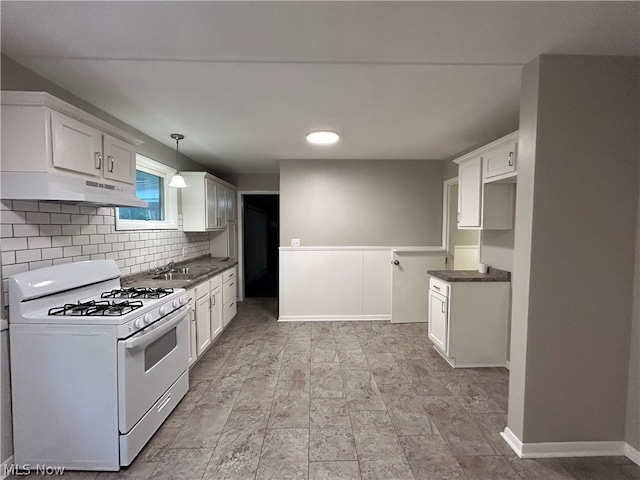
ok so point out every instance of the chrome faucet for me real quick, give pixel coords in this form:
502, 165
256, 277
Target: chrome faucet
165, 269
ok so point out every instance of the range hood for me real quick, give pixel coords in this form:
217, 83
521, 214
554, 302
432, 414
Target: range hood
68, 189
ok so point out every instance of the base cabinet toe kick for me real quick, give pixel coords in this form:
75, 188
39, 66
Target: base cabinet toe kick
468, 322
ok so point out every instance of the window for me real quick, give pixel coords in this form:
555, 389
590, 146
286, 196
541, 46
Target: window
152, 186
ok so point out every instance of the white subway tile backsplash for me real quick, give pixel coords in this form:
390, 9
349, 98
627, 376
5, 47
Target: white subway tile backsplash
6, 231
60, 218
41, 264
71, 229
105, 248
25, 206
63, 241
51, 253
80, 219
23, 256
13, 244
8, 258
88, 229
89, 249
71, 251
38, 217
8, 270
50, 230
38, 234
81, 240
11, 217
26, 230
65, 208
88, 210
105, 211
49, 207
38, 242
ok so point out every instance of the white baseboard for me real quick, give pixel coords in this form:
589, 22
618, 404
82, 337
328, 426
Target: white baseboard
334, 318
569, 449
632, 454
4, 466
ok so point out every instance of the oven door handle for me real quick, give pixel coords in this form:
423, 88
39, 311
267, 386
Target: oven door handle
170, 321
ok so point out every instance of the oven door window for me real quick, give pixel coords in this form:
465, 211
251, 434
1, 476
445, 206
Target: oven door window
159, 349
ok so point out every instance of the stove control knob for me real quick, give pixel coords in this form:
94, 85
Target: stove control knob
162, 310
176, 303
148, 318
183, 300
139, 323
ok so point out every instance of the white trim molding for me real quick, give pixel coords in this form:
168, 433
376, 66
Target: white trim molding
334, 318
569, 449
6, 467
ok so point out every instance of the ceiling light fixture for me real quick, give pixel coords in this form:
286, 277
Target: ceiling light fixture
177, 180
322, 137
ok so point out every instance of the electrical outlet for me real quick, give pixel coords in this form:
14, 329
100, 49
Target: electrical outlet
295, 242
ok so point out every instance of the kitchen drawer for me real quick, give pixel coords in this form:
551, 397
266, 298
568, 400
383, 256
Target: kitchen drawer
229, 274
202, 290
229, 291
229, 311
215, 282
439, 286
500, 161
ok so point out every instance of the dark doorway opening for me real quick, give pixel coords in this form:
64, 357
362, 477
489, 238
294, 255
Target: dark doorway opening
261, 238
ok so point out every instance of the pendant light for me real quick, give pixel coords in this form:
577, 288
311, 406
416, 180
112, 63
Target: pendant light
177, 180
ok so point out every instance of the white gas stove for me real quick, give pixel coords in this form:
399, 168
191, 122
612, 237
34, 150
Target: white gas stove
95, 368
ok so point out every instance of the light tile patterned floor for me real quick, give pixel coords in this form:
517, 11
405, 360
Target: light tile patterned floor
341, 400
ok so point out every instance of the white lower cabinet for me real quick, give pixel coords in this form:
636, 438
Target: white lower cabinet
193, 349
216, 308
229, 294
203, 319
468, 322
213, 305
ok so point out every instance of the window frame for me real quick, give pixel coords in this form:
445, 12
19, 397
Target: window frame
170, 222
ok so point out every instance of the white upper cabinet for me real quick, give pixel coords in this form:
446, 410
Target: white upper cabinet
500, 163
119, 160
41, 133
470, 193
204, 202
486, 186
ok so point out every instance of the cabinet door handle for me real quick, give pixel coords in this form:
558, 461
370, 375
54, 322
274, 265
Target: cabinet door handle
213, 299
511, 159
458, 217
110, 158
98, 160
442, 307
396, 262
231, 284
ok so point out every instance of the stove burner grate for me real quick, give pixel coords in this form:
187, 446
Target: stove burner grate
96, 308
138, 292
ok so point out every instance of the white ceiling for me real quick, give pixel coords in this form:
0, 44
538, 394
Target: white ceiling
245, 81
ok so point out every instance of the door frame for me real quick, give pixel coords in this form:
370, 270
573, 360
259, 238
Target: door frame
447, 237
240, 198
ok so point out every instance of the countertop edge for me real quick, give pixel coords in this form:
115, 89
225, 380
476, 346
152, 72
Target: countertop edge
142, 279
494, 275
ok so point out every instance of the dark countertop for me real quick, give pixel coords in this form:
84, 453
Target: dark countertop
209, 266
493, 275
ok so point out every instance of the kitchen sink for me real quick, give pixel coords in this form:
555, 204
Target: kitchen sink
176, 276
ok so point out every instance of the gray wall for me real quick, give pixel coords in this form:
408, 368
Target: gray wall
632, 435
577, 210
361, 203
17, 77
264, 182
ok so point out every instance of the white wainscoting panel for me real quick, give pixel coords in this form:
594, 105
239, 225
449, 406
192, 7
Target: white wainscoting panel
376, 282
318, 284
338, 283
